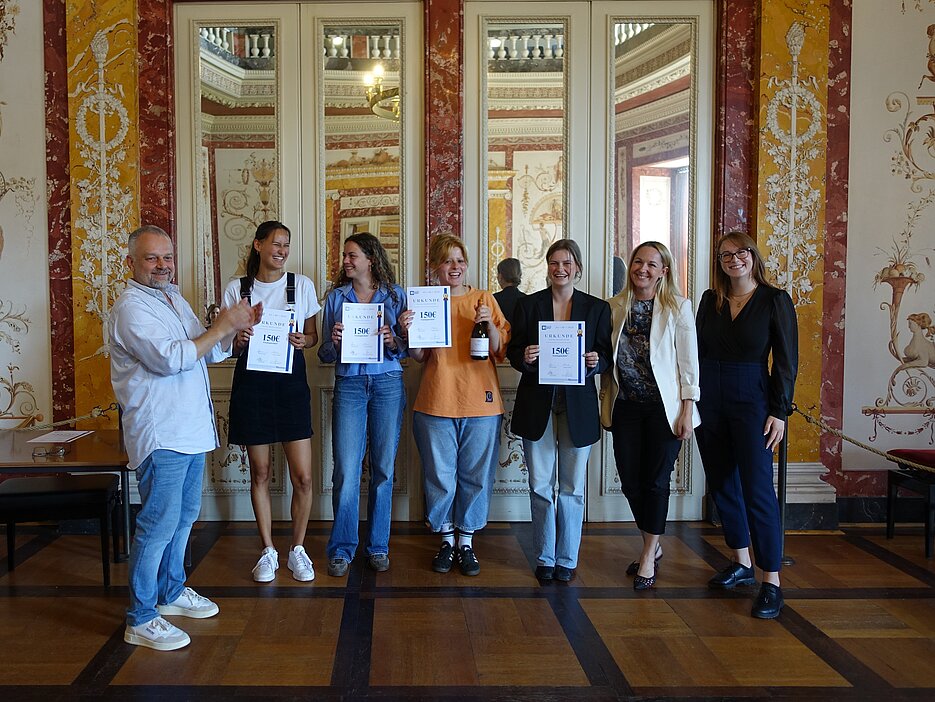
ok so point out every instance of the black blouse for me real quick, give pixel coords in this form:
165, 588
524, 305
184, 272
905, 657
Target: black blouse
767, 323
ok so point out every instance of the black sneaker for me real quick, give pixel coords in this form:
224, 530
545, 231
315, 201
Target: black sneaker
443, 559
467, 561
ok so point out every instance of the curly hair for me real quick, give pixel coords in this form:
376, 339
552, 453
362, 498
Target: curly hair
924, 320
380, 269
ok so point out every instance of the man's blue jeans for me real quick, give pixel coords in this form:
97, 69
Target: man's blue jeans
170, 490
459, 463
368, 406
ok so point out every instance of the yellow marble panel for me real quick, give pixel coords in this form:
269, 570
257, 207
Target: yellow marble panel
497, 233
104, 160
791, 180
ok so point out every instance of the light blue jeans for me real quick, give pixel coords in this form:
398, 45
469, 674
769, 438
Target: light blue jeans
170, 491
459, 462
556, 523
364, 406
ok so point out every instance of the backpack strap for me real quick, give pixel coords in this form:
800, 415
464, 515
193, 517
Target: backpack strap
245, 288
290, 289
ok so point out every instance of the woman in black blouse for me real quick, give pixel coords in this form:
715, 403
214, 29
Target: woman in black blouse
744, 405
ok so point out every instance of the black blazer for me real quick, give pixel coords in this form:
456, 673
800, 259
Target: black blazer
533, 401
507, 299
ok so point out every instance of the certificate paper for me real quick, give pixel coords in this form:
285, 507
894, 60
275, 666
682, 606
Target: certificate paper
269, 348
361, 341
431, 325
561, 353
61, 436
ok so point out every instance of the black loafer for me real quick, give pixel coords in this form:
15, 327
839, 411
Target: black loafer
545, 572
768, 603
732, 576
443, 559
563, 574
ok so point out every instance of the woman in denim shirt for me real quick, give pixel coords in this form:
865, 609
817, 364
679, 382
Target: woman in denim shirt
369, 400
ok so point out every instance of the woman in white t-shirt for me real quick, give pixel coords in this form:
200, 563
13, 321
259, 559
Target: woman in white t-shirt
270, 408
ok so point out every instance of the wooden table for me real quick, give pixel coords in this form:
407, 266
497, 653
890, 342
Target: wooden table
99, 452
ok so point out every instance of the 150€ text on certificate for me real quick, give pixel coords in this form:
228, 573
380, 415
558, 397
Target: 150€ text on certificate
269, 348
561, 353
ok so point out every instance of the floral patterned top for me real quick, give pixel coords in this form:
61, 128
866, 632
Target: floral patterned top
637, 382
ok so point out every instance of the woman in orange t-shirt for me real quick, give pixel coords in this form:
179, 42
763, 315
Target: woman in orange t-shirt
457, 413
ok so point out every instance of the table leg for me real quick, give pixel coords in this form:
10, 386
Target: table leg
125, 504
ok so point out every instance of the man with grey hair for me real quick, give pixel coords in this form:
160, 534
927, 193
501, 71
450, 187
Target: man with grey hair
159, 352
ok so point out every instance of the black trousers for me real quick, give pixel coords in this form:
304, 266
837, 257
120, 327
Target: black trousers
645, 450
734, 406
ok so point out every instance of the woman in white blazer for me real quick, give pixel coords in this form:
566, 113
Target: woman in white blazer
648, 395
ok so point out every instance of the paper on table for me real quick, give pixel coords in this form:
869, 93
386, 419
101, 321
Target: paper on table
59, 437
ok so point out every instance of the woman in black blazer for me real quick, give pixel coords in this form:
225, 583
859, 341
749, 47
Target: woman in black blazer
540, 413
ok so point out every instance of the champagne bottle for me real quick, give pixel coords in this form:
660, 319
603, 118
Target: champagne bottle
480, 342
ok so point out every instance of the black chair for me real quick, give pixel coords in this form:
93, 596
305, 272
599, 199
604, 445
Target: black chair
61, 497
915, 480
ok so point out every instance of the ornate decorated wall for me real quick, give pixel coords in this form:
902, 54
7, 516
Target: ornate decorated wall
786, 177
110, 165
24, 289
889, 365
790, 180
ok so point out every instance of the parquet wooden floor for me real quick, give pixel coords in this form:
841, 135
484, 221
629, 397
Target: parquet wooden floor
859, 623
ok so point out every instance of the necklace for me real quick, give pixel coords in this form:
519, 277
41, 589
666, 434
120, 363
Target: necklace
740, 299
365, 297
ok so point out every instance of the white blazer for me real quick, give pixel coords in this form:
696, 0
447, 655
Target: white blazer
673, 357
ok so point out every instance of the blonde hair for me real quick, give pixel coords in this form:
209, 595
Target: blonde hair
666, 293
441, 247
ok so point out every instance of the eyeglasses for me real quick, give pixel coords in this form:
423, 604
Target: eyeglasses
741, 254
46, 451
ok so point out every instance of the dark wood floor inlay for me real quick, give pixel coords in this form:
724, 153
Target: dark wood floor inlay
860, 613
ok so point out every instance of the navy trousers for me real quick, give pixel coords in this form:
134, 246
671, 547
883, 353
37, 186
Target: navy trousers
738, 465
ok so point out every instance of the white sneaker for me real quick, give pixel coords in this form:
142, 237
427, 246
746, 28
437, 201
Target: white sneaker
265, 569
158, 634
190, 604
301, 565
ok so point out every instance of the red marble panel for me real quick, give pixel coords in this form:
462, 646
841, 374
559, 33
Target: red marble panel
58, 188
157, 114
735, 116
850, 484
444, 22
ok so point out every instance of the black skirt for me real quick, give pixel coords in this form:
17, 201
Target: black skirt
269, 408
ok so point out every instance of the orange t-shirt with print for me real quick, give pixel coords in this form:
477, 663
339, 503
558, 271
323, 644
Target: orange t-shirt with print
455, 385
